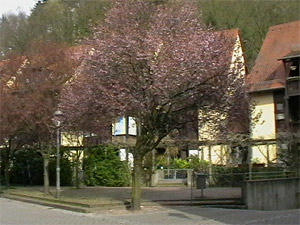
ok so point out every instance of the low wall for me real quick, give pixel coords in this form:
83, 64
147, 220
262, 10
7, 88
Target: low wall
156, 176
276, 194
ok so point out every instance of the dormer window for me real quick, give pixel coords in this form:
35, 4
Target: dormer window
294, 68
291, 62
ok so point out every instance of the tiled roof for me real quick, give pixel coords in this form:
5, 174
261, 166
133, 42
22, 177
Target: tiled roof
268, 72
231, 32
231, 36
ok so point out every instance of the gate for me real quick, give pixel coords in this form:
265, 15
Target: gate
172, 177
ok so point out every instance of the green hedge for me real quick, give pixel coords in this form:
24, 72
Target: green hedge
234, 176
103, 167
192, 162
66, 172
27, 169
227, 176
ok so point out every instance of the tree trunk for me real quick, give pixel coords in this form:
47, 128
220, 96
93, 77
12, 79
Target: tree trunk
7, 174
7, 167
46, 173
77, 181
136, 183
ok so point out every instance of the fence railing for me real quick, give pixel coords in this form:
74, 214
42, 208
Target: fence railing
271, 175
174, 174
226, 179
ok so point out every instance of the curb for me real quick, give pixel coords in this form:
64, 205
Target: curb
44, 203
58, 201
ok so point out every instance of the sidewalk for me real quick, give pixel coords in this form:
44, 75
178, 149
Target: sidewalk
92, 199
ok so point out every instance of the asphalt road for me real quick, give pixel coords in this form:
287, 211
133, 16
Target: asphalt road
20, 213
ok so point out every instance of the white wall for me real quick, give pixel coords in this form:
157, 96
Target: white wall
265, 128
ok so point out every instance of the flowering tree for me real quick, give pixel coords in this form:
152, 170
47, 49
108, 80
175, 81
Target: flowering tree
158, 64
12, 117
30, 88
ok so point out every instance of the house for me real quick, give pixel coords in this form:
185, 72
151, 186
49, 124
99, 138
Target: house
274, 86
211, 148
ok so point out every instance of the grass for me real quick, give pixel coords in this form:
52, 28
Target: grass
71, 195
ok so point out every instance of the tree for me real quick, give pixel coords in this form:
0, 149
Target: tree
13, 120
13, 34
30, 89
61, 21
250, 17
65, 21
157, 63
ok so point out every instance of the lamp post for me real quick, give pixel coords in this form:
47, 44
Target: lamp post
58, 114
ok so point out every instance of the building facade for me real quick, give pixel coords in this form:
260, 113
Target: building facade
274, 86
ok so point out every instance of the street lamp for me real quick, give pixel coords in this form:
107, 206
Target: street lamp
57, 115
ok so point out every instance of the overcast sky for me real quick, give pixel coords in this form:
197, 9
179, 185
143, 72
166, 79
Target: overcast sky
14, 6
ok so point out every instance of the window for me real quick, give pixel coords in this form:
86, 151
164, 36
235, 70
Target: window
279, 115
294, 68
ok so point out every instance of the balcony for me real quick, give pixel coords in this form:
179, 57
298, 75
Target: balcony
293, 86
294, 126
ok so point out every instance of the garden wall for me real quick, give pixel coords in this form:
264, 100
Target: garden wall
276, 194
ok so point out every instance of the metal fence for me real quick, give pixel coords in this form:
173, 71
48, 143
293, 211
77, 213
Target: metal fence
271, 175
225, 179
175, 174
218, 179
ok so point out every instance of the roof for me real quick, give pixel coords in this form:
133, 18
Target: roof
268, 72
295, 53
230, 33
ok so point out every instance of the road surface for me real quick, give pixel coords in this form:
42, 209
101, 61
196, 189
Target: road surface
20, 213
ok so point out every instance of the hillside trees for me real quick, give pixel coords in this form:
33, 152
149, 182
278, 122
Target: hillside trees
158, 64
252, 17
70, 21
59, 21
13, 34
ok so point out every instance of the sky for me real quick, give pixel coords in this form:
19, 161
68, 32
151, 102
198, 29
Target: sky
14, 6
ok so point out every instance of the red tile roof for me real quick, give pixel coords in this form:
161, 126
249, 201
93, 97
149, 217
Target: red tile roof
231, 36
268, 72
230, 33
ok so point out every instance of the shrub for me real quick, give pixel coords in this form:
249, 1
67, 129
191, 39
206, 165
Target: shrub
65, 171
27, 167
103, 167
228, 176
234, 176
198, 165
180, 164
192, 162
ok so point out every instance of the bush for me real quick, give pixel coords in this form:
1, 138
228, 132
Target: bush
198, 165
228, 176
103, 167
180, 164
27, 168
65, 171
234, 176
192, 162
